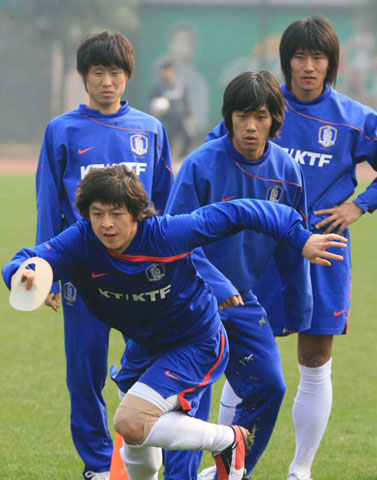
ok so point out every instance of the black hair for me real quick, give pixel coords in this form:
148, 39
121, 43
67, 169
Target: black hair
314, 33
115, 186
249, 92
108, 49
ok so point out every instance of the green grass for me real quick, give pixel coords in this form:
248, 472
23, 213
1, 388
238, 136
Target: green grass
35, 439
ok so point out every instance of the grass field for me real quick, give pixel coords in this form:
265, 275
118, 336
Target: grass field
35, 441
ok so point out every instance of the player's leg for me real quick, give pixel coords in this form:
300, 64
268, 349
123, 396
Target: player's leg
176, 380
185, 464
331, 294
312, 405
228, 404
86, 343
255, 374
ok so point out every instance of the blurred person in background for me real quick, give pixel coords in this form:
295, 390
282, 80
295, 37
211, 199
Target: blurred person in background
169, 101
104, 132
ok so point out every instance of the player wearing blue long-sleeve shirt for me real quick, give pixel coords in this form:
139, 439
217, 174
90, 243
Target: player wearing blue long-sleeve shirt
244, 163
134, 272
107, 131
328, 135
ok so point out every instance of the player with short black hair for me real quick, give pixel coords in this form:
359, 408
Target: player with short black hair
103, 132
328, 134
137, 276
244, 163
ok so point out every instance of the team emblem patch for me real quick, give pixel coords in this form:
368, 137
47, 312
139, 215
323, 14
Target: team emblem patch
155, 272
275, 193
70, 293
327, 136
139, 144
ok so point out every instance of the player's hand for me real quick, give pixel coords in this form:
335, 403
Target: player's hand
315, 249
53, 301
233, 301
339, 217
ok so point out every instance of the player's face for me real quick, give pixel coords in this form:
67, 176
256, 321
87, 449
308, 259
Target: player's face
251, 131
114, 226
308, 74
105, 86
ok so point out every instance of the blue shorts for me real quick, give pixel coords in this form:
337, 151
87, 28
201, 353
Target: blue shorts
331, 296
184, 371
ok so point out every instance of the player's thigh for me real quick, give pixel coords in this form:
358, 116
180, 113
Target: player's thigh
314, 350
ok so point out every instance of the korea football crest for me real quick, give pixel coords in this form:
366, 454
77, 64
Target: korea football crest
155, 272
70, 293
139, 144
327, 136
275, 193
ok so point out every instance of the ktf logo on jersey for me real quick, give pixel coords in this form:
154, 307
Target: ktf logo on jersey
70, 293
155, 272
139, 144
275, 193
327, 136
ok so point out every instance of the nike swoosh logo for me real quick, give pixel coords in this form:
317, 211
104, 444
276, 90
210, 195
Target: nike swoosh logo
97, 275
84, 150
227, 199
168, 374
336, 314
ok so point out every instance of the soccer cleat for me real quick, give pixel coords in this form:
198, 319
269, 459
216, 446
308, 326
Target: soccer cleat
97, 475
230, 463
299, 476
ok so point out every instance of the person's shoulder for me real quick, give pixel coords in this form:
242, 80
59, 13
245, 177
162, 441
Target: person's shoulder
208, 153
65, 119
143, 120
283, 160
355, 113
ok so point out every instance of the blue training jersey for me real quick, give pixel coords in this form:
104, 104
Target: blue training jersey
328, 137
85, 138
151, 292
215, 172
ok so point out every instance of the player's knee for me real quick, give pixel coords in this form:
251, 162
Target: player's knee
132, 431
135, 418
274, 384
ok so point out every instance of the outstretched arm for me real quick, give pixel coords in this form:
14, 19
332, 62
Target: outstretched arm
315, 249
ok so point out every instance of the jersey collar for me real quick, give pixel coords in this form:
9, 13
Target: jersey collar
85, 110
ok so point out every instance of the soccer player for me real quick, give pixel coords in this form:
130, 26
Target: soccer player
104, 132
328, 134
244, 163
134, 271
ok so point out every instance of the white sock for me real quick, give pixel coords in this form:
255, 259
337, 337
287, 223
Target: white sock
142, 463
228, 404
311, 412
178, 431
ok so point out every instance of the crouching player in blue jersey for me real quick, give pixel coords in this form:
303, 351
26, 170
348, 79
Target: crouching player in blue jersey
107, 131
134, 271
244, 163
